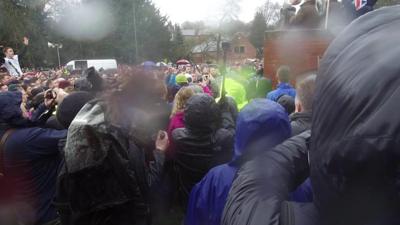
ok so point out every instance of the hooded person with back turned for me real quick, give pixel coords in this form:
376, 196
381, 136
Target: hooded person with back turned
261, 123
354, 148
205, 142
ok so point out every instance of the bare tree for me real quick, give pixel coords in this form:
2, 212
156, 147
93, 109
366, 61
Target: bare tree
230, 11
56, 8
271, 11
208, 46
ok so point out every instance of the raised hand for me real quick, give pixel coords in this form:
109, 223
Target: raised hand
50, 98
26, 41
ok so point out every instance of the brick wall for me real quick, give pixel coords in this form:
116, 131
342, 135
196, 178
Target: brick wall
241, 49
299, 49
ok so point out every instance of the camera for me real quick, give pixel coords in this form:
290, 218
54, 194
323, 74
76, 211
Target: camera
50, 95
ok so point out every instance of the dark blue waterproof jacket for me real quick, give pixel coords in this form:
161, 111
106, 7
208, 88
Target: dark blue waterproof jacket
260, 123
281, 89
303, 193
31, 161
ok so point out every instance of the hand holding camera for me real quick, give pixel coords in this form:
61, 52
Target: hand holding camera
205, 80
162, 141
50, 97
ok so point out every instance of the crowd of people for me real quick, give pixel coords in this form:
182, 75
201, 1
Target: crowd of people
132, 145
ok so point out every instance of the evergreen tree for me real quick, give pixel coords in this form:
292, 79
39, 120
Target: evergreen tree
178, 36
179, 49
152, 33
31, 18
258, 28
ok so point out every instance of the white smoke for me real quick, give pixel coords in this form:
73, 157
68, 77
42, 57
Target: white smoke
86, 22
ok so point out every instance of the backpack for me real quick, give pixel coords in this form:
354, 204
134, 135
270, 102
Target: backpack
103, 179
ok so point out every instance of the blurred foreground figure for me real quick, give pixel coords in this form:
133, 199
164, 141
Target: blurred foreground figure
355, 149
111, 161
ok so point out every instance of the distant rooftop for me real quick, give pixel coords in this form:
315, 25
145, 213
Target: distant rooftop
208, 46
193, 32
211, 45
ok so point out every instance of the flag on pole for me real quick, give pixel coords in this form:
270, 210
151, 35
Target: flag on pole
359, 4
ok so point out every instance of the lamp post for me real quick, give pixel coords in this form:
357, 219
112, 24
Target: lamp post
58, 47
225, 47
135, 32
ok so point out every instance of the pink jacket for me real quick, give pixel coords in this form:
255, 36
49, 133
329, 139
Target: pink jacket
177, 121
207, 90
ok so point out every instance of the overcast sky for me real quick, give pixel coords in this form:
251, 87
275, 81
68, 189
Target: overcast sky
180, 11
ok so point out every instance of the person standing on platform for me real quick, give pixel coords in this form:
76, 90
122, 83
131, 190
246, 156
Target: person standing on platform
12, 61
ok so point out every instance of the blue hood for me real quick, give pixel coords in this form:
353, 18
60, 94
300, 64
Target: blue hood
261, 123
10, 108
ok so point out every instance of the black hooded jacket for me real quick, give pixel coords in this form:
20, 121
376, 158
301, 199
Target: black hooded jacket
207, 141
300, 122
354, 149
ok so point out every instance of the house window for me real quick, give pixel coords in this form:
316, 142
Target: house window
239, 49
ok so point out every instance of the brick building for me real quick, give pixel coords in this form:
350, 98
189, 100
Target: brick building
241, 49
196, 36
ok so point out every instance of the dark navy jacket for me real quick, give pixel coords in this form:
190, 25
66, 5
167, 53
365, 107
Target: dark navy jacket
262, 122
31, 162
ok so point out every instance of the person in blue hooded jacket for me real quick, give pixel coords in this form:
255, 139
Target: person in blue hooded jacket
284, 88
260, 123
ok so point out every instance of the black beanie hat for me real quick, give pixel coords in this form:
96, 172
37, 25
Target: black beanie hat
36, 91
37, 100
70, 107
288, 103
